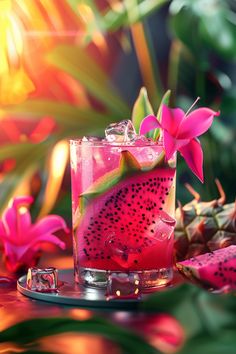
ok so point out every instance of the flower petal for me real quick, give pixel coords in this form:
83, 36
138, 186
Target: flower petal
16, 218
171, 144
24, 223
14, 264
9, 252
149, 123
48, 224
196, 123
13, 252
48, 238
193, 155
2, 230
16, 253
43, 238
171, 119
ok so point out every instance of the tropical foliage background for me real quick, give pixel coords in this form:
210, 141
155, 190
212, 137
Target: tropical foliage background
70, 67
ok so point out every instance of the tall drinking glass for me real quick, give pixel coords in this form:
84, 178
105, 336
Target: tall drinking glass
123, 202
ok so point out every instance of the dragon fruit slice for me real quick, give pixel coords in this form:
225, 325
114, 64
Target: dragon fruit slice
121, 222
215, 270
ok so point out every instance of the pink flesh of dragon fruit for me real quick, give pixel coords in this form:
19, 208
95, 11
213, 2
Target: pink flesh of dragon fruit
215, 270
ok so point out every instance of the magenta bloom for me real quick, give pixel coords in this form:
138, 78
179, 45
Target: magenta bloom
21, 239
180, 132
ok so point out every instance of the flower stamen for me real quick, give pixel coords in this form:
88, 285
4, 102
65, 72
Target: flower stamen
190, 108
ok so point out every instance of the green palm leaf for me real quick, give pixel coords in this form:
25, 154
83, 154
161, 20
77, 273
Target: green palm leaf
76, 62
30, 331
28, 160
142, 108
67, 115
113, 20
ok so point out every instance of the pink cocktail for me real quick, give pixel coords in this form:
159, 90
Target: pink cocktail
123, 202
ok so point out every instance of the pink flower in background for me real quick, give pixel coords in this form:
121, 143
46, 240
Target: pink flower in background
21, 239
180, 132
163, 331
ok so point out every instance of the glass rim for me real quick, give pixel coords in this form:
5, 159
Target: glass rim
105, 144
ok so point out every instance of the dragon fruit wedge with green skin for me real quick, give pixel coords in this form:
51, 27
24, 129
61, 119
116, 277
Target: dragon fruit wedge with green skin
121, 219
214, 270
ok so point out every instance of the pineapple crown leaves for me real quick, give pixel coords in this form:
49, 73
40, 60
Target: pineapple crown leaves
188, 212
197, 198
203, 206
216, 202
204, 226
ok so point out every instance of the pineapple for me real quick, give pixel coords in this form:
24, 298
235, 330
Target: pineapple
204, 226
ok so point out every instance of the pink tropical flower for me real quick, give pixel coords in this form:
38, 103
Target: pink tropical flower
21, 239
163, 331
180, 132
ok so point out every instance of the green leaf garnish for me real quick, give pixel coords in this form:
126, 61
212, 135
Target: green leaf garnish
165, 100
142, 108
